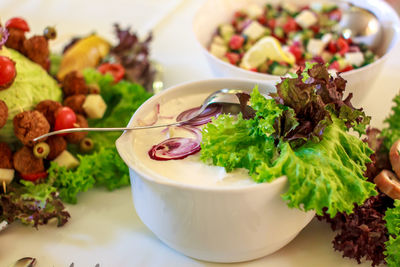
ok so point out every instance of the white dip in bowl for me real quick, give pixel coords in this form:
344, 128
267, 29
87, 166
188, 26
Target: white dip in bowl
197, 209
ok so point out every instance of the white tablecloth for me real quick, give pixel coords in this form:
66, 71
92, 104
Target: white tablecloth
104, 227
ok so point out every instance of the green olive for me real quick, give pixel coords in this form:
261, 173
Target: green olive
41, 150
86, 144
50, 33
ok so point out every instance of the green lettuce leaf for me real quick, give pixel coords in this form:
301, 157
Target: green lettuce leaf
391, 133
103, 167
325, 174
392, 218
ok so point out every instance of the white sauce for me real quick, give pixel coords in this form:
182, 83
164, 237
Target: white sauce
190, 170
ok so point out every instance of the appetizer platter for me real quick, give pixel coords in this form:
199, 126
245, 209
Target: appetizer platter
102, 227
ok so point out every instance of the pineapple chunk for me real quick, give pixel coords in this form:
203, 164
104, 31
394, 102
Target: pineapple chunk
6, 175
67, 160
94, 106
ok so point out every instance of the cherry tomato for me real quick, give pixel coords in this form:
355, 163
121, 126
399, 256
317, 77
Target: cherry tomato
343, 46
296, 51
65, 119
33, 176
290, 26
236, 42
7, 70
315, 28
233, 58
18, 23
115, 69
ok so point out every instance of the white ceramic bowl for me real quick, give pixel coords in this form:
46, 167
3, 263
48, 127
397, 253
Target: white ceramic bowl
220, 224
214, 12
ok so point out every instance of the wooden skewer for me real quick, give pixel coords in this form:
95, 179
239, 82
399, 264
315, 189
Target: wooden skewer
4, 186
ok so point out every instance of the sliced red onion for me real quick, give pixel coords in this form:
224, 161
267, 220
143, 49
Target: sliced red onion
205, 117
177, 147
3, 36
154, 118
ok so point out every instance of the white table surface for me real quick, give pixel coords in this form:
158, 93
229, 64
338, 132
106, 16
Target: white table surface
104, 227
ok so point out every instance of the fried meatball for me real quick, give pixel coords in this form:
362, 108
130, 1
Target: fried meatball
3, 113
75, 138
75, 102
16, 39
36, 49
5, 156
26, 163
30, 124
74, 84
57, 145
48, 108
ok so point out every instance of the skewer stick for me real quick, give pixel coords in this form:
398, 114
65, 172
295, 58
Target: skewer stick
4, 186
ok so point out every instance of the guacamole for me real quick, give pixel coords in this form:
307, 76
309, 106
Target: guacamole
32, 84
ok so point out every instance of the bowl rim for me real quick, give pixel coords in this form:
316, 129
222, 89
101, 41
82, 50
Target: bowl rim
266, 76
162, 180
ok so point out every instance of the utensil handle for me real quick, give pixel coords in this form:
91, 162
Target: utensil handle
74, 130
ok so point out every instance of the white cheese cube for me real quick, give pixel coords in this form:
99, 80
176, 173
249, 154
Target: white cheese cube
255, 30
94, 106
254, 11
290, 7
6, 175
218, 50
67, 160
326, 38
315, 47
306, 19
355, 58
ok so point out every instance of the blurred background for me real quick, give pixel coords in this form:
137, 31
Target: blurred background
395, 4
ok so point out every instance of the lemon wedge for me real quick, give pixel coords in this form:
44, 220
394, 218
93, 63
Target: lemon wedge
265, 48
86, 53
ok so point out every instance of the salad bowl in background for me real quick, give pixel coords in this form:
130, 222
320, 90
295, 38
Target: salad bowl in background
214, 12
219, 224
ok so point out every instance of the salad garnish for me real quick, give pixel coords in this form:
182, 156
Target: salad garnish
38, 177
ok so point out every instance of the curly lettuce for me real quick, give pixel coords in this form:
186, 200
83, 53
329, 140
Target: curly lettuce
103, 167
392, 218
323, 163
391, 133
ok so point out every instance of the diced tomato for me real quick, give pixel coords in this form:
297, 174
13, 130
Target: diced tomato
332, 47
347, 68
271, 23
233, 58
236, 42
343, 46
33, 176
17, 23
296, 51
253, 69
239, 14
290, 25
335, 14
335, 65
262, 20
115, 69
315, 28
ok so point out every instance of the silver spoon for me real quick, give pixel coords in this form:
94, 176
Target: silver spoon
361, 25
223, 96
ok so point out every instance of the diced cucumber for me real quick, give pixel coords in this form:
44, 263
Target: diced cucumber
279, 32
226, 31
278, 69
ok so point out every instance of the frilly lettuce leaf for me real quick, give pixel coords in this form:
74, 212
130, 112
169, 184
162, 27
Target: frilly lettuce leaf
392, 218
33, 204
325, 174
391, 133
103, 167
